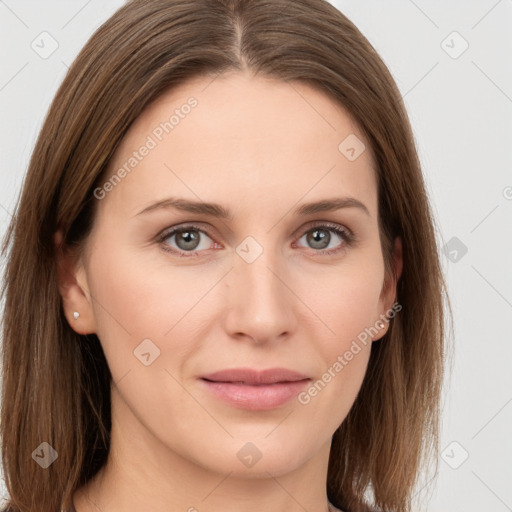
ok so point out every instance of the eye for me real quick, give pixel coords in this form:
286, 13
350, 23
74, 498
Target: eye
188, 241
320, 238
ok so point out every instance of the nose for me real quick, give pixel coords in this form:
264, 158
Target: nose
260, 304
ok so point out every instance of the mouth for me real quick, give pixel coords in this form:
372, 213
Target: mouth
250, 389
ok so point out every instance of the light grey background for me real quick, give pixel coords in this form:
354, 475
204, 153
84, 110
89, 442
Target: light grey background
461, 110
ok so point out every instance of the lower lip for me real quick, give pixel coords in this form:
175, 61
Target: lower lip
256, 397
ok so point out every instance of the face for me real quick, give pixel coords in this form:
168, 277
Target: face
234, 274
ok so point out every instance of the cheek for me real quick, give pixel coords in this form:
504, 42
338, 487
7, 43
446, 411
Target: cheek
346, 299
136, 300
143, 297
347, 302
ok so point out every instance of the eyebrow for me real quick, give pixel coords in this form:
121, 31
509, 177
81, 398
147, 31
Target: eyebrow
218, 211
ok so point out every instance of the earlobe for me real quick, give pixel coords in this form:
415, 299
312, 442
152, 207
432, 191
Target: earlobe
76, 300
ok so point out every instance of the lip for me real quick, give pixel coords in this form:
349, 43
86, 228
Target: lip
251, 389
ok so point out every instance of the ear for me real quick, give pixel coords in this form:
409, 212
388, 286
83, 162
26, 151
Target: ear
73, 288
388, 293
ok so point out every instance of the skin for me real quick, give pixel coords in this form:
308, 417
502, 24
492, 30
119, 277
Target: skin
260, 148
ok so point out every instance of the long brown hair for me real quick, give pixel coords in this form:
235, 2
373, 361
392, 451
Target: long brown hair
56, 383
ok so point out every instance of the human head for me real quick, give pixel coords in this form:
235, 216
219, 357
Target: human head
108, 87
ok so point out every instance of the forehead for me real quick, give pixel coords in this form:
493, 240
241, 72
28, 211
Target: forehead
252, 138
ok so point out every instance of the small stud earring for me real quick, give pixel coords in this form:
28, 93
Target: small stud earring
76, 314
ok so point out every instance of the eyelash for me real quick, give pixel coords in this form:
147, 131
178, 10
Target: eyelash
345, 234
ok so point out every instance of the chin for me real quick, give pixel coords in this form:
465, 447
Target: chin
257, 457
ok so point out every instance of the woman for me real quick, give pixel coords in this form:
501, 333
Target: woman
202, 167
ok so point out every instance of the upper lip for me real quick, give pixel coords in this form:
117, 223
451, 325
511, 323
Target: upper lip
251, 376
